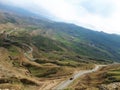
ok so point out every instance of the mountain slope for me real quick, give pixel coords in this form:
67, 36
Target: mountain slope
37, 53
97, 45
99, 41
85, 42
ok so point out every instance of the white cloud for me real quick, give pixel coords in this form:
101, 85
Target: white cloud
96, 14
109, 23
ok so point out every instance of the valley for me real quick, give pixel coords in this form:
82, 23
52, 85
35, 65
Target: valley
40, 54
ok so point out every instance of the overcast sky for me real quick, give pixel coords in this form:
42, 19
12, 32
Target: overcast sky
101, 15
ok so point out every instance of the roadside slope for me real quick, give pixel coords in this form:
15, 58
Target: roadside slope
66, 83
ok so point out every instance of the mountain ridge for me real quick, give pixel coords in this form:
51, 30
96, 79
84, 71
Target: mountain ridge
79, 39
38, 53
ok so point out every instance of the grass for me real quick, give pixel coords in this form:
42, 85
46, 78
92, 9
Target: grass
13, 51
66, 61
46, 44
42, 71
11, 87
61, 54
14, 83
14, 54
113, 76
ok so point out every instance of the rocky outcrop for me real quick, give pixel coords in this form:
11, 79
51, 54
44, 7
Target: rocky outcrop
112, 86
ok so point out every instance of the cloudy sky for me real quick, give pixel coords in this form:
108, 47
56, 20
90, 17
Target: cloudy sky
101, 15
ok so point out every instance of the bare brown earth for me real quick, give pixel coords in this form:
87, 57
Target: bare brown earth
10, 74
18, 72
97, 80
13, 73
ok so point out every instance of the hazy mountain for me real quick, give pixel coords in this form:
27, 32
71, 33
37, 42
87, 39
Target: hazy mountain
97, 45
16, 10
35, 51
20, 12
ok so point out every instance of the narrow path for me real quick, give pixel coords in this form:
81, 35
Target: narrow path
66, 83
26, 54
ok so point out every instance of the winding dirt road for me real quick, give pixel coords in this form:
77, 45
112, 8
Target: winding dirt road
66, 83
26, 53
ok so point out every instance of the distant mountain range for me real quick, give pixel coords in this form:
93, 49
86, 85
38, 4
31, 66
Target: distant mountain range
57, 36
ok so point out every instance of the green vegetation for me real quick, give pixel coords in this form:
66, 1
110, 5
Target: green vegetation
113, 76
46, 44
60, 48
54, 36
46, 72
13, 51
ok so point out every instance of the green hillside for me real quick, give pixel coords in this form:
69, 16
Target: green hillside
96, 45
47, 35
38, 54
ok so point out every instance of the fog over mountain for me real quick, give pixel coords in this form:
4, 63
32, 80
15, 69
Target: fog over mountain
102, 15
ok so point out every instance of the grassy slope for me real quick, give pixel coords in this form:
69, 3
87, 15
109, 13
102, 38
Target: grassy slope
86, 42
61, 47
53, 62
96, 45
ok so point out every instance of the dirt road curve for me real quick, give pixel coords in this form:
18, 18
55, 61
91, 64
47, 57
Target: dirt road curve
65, 83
